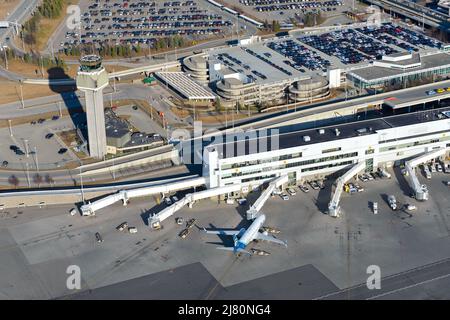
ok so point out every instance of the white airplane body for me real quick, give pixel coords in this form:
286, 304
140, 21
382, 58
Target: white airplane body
243, 237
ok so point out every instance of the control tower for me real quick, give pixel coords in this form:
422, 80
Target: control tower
91, 79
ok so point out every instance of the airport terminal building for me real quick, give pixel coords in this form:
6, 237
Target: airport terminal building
401, 67
312, 154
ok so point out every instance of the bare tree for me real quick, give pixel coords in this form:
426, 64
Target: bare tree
13, 180
49, 179
37, 178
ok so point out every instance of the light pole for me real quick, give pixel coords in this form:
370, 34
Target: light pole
28, 175
26, 148
36, 159
114, 81
21, 95
10, 128
113, 170
59, 107
6, 59
81, 183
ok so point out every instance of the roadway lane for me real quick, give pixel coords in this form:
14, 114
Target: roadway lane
421, 283
290, 117
19, 15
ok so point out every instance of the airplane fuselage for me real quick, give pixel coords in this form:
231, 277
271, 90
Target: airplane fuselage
251, 233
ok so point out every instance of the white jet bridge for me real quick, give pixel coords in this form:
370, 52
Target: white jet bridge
420, 190
259, 203
334, 207
189, 199
126, 195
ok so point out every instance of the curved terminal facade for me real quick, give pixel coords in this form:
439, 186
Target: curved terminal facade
197, 67
311, 89
233, 91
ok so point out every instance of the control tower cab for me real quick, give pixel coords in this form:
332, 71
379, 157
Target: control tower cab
92, 78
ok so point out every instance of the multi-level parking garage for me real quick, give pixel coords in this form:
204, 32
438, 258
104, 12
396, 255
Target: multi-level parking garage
269, 72
143, 23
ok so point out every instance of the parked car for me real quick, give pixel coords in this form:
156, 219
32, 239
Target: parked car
314, 185
132, 230
242, 201
411, 207
446, 168
439, 167
5, 164
276, 191
432, 168
167, 201
54, 118
174, 199
304, 188
363, 178
291, 191
284, 196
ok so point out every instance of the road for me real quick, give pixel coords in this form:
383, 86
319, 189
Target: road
291, 117
19, 15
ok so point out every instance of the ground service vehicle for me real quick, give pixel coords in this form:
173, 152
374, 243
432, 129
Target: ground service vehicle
392, 202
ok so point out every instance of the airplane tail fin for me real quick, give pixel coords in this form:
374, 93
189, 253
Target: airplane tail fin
235, 240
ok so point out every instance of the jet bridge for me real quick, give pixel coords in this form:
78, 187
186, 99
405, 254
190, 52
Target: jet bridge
259, 203
189, 199
126, 195
333, 206
420, 190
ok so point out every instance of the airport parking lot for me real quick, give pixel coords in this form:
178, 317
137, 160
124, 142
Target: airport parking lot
143, 23
369, 43
34, 138
285, 10
41, 243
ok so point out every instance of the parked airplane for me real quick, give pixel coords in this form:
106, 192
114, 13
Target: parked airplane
244, 236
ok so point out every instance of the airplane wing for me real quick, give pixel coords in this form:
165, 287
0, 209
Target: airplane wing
232, 249
261, 236
222, 232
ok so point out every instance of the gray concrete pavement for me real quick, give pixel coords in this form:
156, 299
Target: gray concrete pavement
324, 255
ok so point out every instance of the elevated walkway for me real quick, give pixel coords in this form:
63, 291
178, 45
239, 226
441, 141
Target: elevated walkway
334, 207
189, 199
126, 195
265, 195
420, 190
